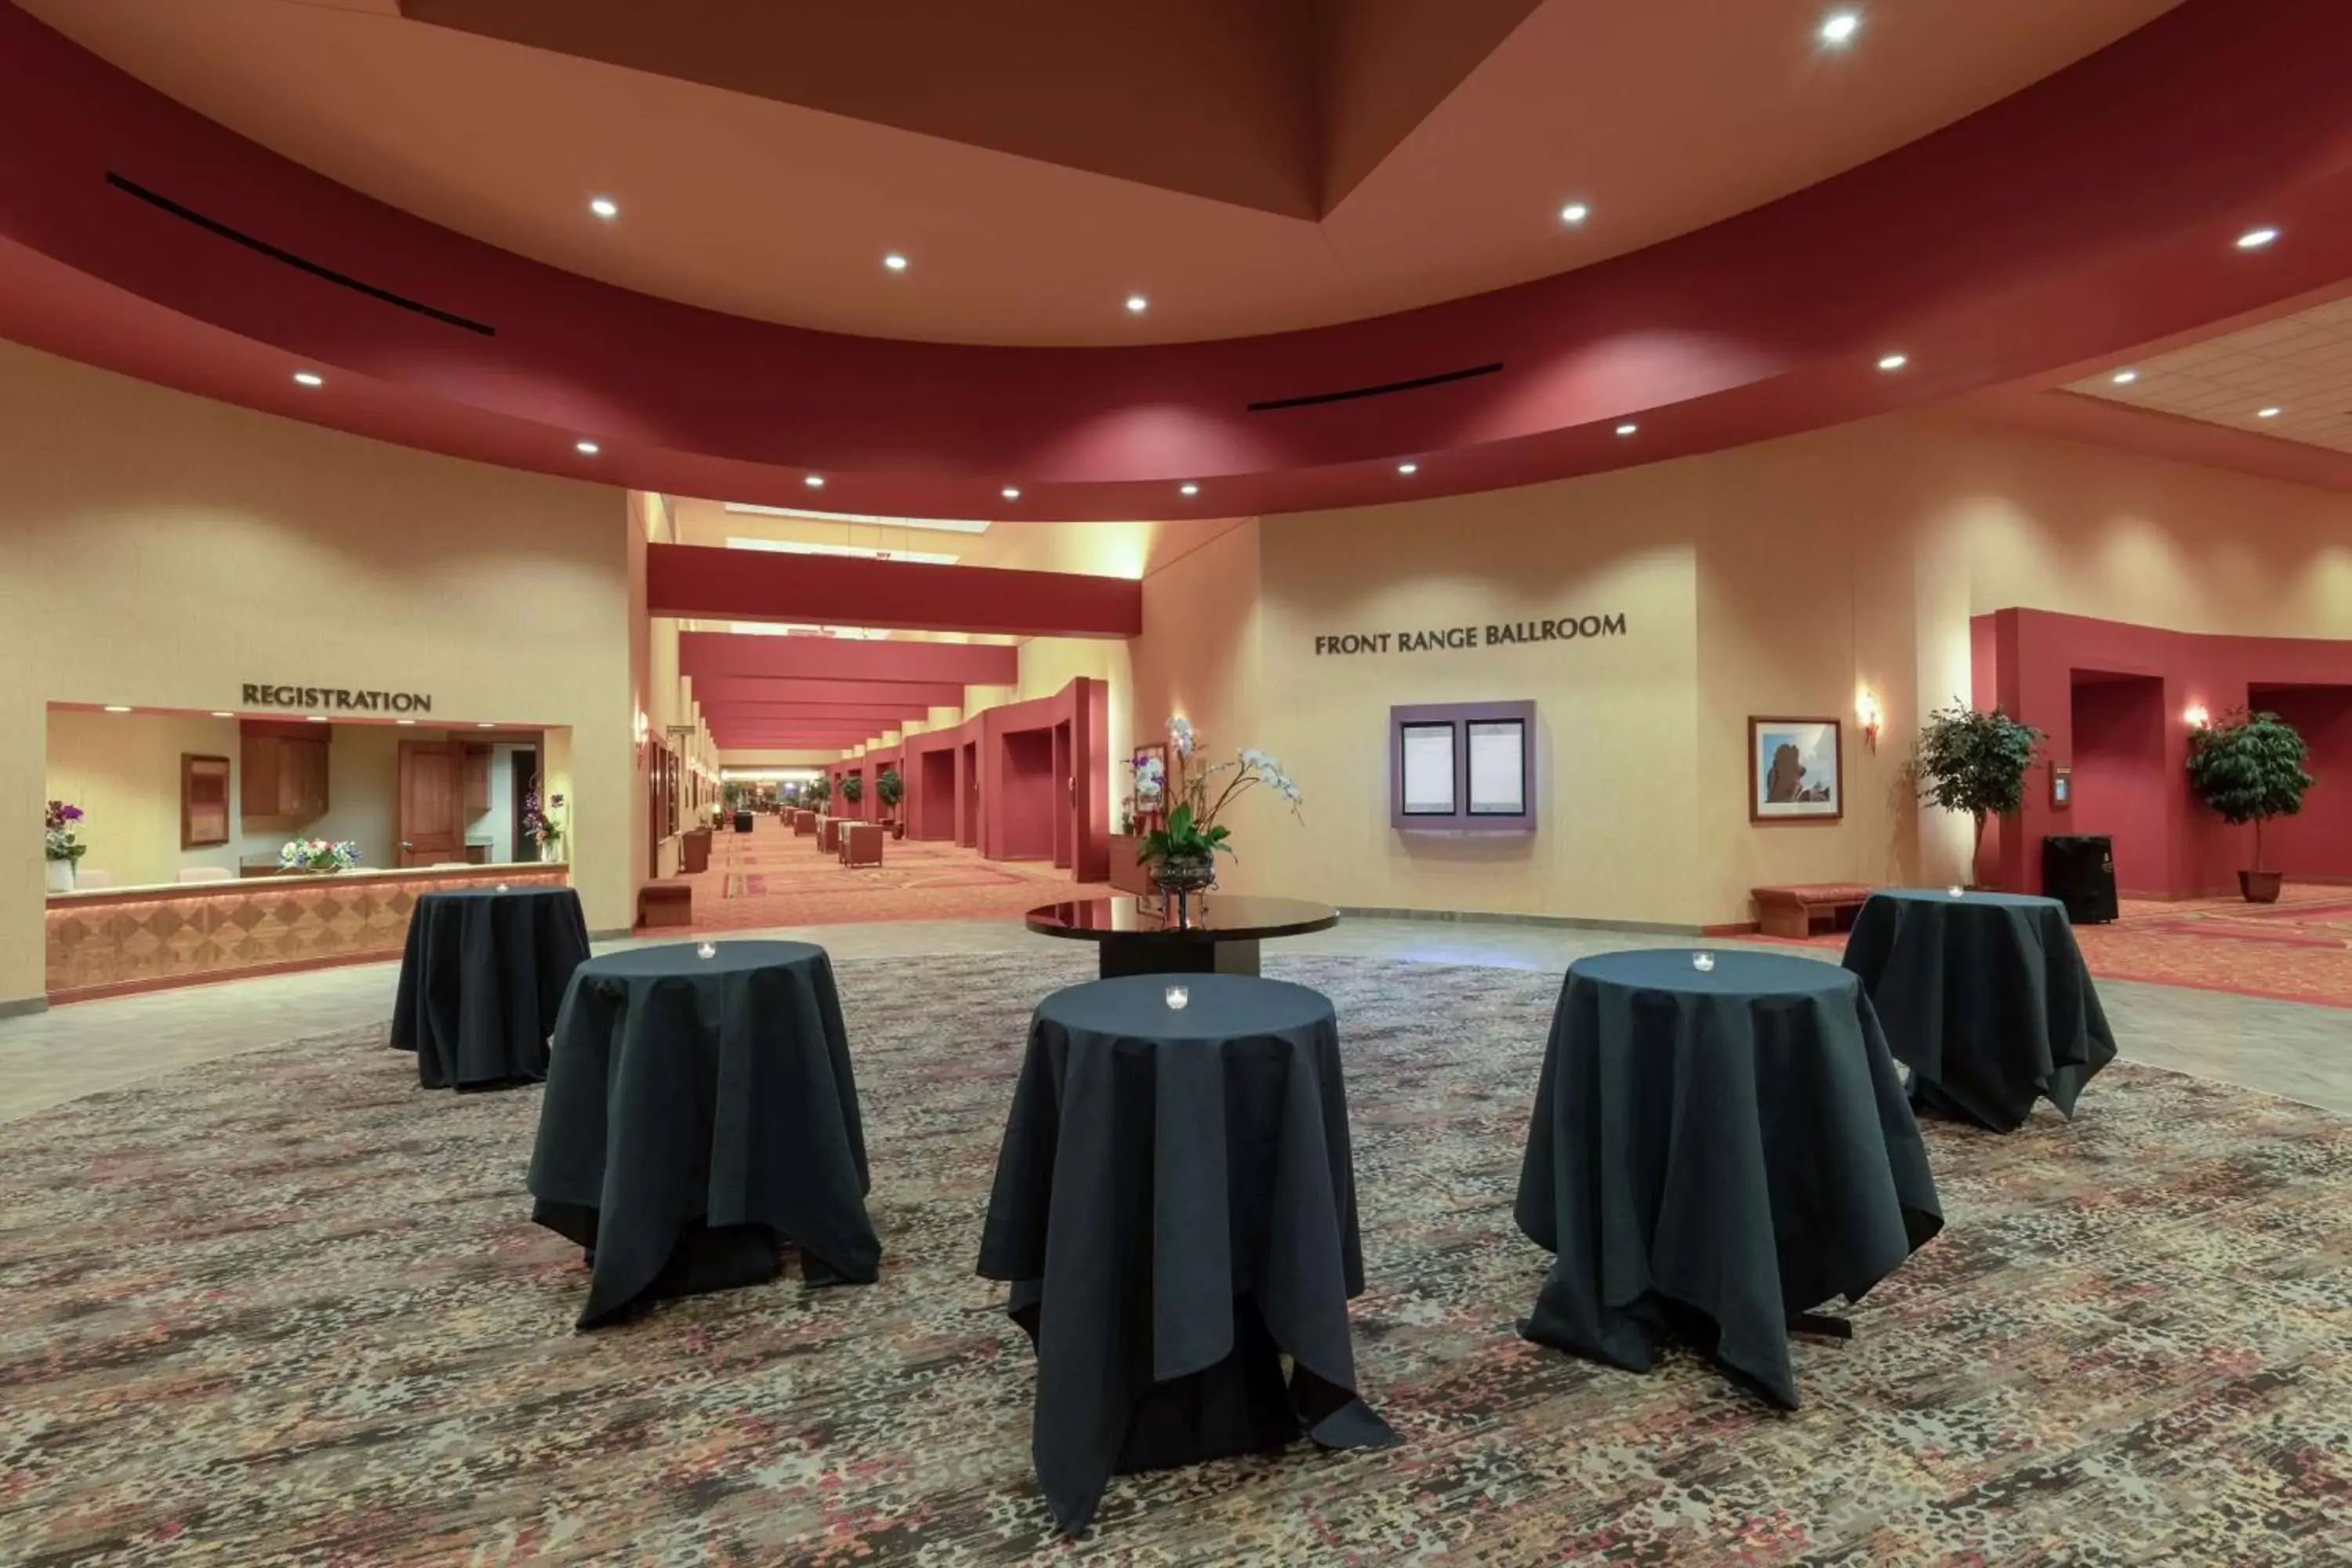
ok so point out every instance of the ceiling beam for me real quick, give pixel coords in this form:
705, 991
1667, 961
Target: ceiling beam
703, 654
716, 691
719, 584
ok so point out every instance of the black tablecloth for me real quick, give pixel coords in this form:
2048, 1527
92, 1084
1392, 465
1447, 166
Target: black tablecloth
700, 1114
1984, 997
481, 979
1175, 1205
1713, 1152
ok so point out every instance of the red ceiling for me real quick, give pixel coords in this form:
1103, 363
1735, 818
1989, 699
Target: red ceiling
2083, 214
693, 580
829, 692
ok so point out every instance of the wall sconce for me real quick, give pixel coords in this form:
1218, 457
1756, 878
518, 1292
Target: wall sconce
2197, 716
1872, 716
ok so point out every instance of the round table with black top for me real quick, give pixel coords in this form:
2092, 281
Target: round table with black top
481, 978
1175, 1209
700, 1117
1202, 933
1715, 1153
1985, 997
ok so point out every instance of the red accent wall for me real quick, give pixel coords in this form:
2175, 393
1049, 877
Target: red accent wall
1021, 825
2029, 662
2317, 843
2120, 786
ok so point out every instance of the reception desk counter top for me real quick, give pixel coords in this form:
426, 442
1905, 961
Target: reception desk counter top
104, 942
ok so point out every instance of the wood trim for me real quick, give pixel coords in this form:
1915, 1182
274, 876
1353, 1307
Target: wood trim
180, 982
531, 871
1755, 815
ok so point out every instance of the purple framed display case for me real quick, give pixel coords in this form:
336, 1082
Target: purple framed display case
1459, 716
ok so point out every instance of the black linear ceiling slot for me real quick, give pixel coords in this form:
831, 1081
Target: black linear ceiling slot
1269, 404
343, 279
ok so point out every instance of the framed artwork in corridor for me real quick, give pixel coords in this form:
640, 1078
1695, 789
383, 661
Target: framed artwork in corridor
1796, 770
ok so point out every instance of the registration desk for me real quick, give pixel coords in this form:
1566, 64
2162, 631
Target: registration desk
108, 940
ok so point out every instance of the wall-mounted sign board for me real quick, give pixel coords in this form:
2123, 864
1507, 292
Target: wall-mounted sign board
1463, 767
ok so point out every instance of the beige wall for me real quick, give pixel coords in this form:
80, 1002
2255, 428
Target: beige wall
161, 549
1781, 579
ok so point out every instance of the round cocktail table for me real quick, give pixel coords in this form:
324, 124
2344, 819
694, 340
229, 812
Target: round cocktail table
1206, 933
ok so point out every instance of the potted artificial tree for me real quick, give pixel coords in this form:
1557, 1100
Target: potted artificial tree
890, 789
853, 787
2249, 768
1974, 763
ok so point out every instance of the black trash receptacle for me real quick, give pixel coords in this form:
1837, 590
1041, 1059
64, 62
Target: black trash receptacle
2078, 869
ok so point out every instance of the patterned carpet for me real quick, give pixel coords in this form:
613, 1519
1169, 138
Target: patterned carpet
286, 1308
2297, 949
774, 879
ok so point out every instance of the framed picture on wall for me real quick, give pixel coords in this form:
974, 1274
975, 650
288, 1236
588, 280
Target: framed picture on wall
1796, 770
1147, 764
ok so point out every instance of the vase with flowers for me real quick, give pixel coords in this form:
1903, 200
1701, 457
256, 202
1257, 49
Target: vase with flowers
318, 857
543, 824
60, 848
1181, 853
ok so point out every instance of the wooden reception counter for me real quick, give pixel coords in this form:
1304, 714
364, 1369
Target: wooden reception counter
108, 940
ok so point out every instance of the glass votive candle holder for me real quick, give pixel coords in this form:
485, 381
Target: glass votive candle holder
1956, 890
708, 950
1702, 961
1180, 997
502, 887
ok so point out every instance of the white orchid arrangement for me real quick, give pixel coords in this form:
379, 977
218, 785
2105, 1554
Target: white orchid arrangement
1193, 831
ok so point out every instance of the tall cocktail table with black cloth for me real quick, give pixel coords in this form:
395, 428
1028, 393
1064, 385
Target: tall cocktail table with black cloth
481, 980
1984, 997
1175, 1208
700, 1116
1200, 933
1715, 1153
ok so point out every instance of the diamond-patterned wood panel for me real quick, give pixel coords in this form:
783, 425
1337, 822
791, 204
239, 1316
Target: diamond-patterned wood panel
233, 928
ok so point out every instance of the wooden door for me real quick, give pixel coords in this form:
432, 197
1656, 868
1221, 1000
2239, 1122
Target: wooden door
432, 817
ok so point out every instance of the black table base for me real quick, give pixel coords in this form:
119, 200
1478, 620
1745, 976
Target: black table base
1205, 957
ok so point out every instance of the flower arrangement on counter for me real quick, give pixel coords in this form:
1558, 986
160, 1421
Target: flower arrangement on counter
58, 842
543, 826
319, 856
1182, 851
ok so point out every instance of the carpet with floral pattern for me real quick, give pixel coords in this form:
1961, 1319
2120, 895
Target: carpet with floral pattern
288, 1307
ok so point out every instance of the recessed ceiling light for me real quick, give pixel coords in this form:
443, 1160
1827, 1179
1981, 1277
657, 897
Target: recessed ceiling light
586, 448
1189, 489
2270, 413
485, 724
1893, 362
310, 378
1137, 303
895, 262
1627, 428
2124, 377
403, 721
2255, 239
110, 708
315, 718
1575, 213
223, 714
1011, 492
814, 481
604, 207
1408, 467
1839, 28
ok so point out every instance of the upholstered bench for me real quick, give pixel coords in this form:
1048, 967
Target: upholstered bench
667, 904
861, 843
1793, 911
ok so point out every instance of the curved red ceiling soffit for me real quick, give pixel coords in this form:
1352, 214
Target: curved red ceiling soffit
2089, 213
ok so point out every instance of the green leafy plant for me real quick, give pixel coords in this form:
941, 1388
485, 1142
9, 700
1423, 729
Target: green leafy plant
853, 787
1183, 840
1976, 762
2249, 768
890, 789
819, 790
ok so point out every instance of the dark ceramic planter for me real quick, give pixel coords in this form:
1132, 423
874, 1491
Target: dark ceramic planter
2261, 886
